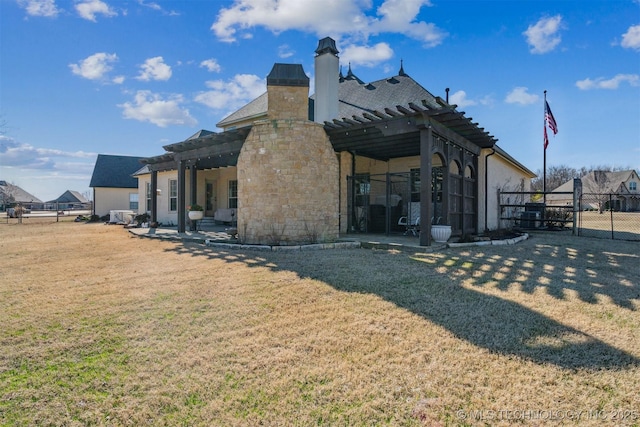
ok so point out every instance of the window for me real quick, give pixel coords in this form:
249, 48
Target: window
133, 201
148, 195
233, 194
173, 195
633, 186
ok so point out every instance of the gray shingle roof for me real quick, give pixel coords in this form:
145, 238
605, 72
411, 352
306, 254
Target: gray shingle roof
70, 196
355, 98
255, 108
17, 194
115, 171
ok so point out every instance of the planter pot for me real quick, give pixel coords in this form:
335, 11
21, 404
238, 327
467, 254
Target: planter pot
441, 233
196, 215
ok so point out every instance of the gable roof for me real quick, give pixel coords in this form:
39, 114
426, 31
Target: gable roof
17, 194
115, 171
70, 196
600, 181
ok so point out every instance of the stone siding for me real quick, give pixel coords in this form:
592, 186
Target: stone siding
287, 184
288, 102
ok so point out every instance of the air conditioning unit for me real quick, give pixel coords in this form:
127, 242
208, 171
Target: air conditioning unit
529, 219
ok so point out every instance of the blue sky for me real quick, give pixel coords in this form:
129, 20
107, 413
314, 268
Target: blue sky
82, 77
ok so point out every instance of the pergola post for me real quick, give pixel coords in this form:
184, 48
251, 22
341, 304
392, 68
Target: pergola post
426, 147
154, 196
193, 183
182, 208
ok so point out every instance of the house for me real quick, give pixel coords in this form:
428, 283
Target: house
623, 186
11, 195
354, 157
69, 200
113, 183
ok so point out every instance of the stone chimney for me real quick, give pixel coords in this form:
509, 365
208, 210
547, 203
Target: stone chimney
326, 81
287, 170
287, 92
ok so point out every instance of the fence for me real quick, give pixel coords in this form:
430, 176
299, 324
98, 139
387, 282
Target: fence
599, 215
30, 216
602, 215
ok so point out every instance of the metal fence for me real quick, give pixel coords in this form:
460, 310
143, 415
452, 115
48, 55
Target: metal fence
601, 215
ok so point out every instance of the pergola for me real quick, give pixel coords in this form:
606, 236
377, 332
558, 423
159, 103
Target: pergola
416, 130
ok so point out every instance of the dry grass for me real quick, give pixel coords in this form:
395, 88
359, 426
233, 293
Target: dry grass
102, 328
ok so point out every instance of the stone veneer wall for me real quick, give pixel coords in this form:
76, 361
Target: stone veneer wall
287, 184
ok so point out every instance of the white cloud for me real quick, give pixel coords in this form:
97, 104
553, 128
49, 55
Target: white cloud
352, 18
25, 156
284, 51
368, 56
631, 39
154, 69
157, 7
150, 107
46, 8
94, 67
211, 65
543, 37
460, 99
89, 9
613, 83
519, 95
118, 80
232, 94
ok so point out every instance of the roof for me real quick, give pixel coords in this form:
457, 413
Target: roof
600, 181
70, 196
253, 110
356, 98
17, 194
516, 163
287, 75
381, 99
115, 171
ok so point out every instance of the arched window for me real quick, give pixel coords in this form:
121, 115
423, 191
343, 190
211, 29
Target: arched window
468, 172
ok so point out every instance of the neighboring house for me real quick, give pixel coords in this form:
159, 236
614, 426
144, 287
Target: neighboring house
69, 200
624, 186
354, 157
11, 195
113, 183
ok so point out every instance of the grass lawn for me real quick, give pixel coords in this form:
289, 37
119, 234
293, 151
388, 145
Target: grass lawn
103, 328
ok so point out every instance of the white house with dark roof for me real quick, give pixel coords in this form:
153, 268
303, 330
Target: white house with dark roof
113, 183
624, 186
375, 152
12, 194
70, 199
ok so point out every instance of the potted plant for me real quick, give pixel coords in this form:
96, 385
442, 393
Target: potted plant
196, 212
440, 233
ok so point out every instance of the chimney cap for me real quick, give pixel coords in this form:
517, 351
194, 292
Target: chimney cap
327, 45
287, 75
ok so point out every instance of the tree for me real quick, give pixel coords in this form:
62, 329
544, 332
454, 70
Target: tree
558, 175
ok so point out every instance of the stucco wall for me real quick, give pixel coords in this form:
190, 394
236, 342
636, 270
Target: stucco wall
503, 175
107, 199
287, 184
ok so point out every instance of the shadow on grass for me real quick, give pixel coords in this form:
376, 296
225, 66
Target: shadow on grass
440, 288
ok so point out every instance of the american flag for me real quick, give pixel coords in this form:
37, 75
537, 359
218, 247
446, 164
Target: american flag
548, 117
549, 121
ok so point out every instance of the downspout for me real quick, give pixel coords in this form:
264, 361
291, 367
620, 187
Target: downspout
486, 188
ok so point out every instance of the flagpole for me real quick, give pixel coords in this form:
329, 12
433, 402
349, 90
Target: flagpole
544, 164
